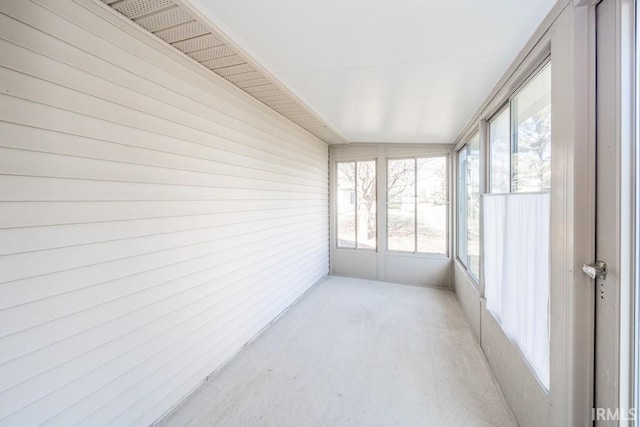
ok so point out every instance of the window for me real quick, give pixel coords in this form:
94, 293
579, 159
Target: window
520, 139
417, 196
401, 208
432, 206
499, 129
531, 158
469, 206
516, 226
356, 204
462, 207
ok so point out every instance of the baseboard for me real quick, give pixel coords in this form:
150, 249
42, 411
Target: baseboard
224, 364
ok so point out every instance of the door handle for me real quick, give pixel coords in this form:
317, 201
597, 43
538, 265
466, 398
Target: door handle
596, 270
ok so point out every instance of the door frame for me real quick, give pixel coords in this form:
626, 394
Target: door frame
627, 12
626, 100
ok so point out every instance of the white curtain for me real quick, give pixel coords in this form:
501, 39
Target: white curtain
516, 271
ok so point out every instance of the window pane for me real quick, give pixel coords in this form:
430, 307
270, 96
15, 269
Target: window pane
532, 145
462, 206
366, 196
401, 205
346, 204
473, 205
499, 142
432, 207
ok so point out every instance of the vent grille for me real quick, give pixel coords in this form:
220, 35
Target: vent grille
217, 52
225, 61
163, 19
176, 26
181, 32
198, 43
137, 8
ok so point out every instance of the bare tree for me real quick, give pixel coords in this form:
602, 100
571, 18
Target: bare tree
533, 152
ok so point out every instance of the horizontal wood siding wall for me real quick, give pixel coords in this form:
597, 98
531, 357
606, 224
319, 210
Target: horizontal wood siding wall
153, 218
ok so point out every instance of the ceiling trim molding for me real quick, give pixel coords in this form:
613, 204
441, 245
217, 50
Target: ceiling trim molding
186, 4
121, 22
534, 52
198, 43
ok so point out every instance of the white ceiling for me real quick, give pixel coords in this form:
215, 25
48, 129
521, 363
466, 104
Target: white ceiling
381, 70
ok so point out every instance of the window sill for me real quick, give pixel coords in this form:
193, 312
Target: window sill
419, 255
369, 251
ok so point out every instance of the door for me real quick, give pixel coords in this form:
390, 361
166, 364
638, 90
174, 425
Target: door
607, 287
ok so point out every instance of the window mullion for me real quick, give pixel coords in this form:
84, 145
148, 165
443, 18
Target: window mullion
355, 198
510, 145
512, 142
468, 207
415, 205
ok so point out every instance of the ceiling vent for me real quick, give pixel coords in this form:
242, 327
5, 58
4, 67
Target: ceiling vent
173, 23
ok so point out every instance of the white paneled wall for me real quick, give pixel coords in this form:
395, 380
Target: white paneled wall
153, 218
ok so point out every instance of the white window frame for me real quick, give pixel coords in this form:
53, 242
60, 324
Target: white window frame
505, 107
512, 139
447, 203
335, 191
464, 263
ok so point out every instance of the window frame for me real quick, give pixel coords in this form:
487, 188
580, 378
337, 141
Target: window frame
477, 133
447, 204
504, 107
335, 189
458, 195
508, 104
